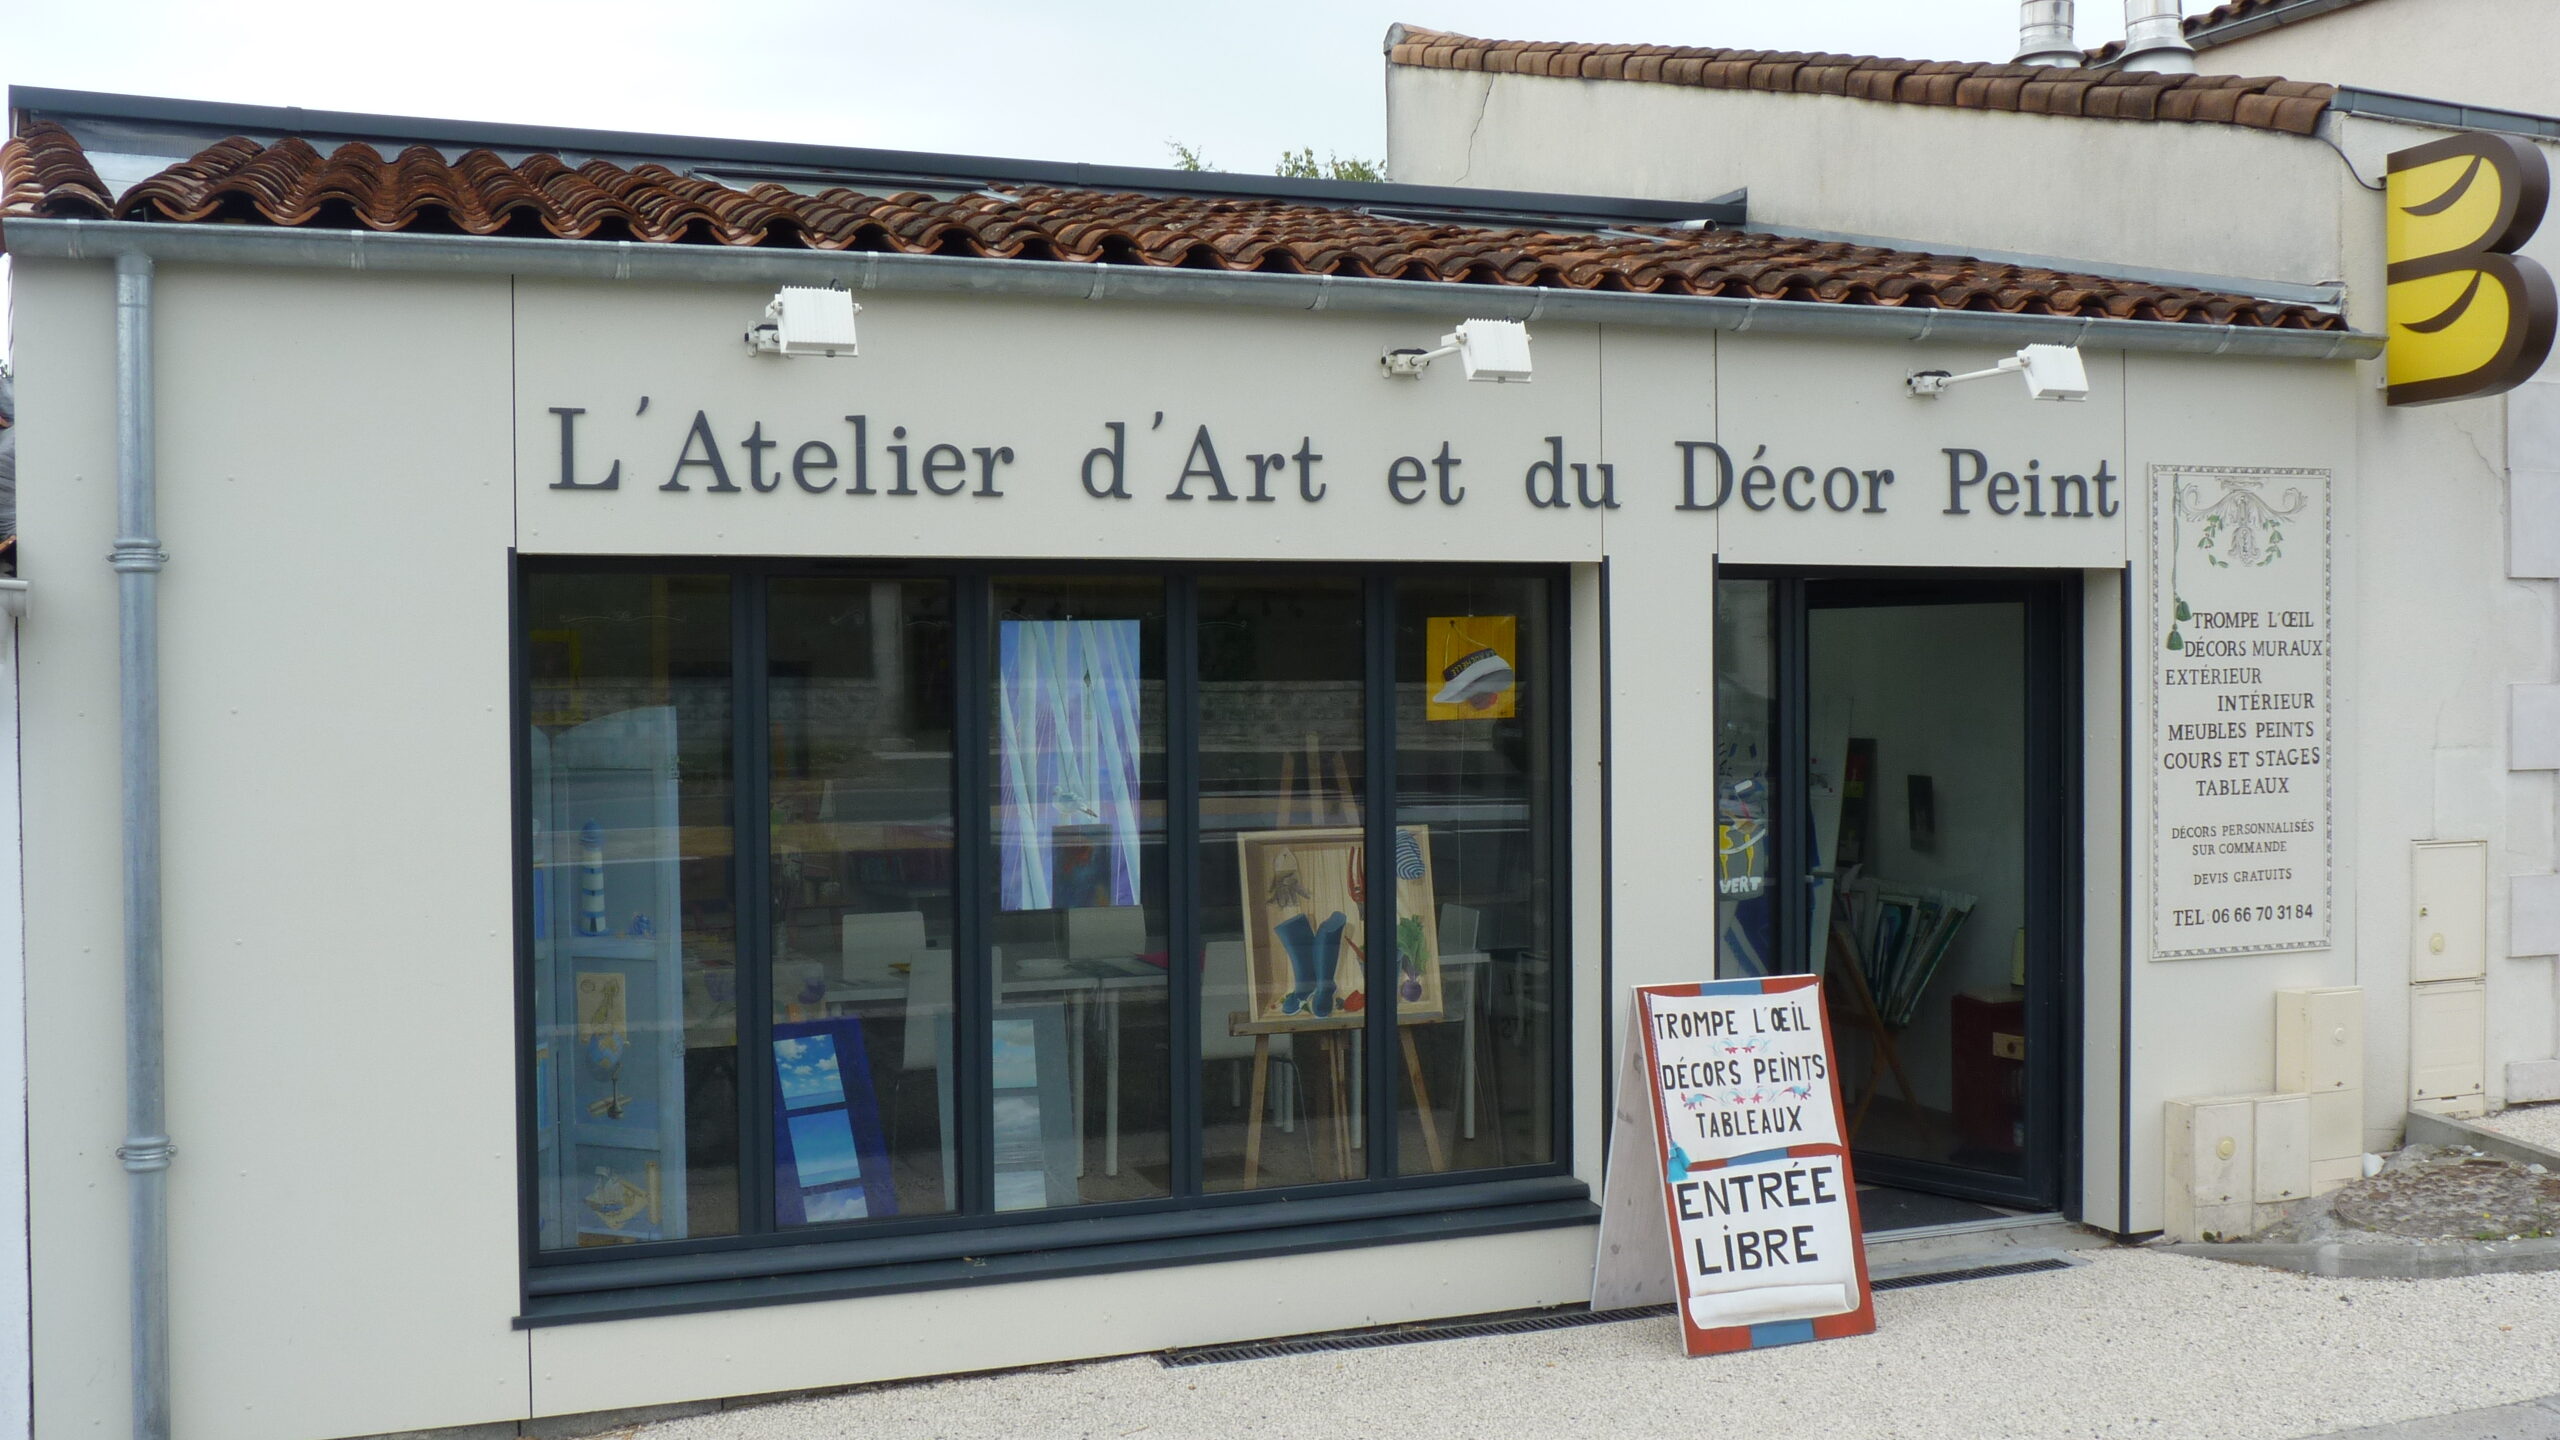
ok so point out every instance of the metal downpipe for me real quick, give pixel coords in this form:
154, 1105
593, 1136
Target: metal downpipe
137, 560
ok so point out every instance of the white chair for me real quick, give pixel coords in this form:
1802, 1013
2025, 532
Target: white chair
1113, 934
1222, 994
1459, 957
875, 944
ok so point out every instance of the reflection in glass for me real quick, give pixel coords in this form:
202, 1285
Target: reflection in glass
1077, 756
858, 710
1746, 711
1922, 710
1282, 766
634, 922
1474, 867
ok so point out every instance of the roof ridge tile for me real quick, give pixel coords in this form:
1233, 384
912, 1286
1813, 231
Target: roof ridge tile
1970, 85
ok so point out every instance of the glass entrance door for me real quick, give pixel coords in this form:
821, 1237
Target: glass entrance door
1892, 750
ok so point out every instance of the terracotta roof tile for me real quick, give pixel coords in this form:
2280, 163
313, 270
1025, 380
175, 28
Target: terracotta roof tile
1911, 82
290, 183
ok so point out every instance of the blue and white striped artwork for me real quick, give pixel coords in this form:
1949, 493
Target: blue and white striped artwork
1067, 697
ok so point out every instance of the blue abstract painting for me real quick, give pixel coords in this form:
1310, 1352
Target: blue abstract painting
1067, 699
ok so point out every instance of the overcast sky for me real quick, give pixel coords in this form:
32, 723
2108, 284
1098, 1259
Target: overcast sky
1110, 82
1106, 81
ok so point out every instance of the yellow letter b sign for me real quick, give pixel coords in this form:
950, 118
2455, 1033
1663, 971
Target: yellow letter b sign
2467, 315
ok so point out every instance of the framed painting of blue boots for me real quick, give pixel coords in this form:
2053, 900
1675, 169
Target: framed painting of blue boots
1305, 896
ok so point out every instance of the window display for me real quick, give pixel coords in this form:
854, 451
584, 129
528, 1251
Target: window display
901, 842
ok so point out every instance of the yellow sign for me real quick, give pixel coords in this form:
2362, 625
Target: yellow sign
2467, 316
1472, 659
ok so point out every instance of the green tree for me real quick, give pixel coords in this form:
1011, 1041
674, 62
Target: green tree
1300, 164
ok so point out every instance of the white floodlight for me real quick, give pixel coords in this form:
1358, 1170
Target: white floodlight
1491, 350
806, 320
2053, 372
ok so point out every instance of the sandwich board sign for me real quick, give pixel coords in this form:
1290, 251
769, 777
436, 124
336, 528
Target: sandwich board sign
1726, 1159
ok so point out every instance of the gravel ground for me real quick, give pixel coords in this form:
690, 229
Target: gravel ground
2134, 1343
2532, 1124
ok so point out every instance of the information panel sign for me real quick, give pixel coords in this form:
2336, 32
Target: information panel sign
1727, 1153
2241, 740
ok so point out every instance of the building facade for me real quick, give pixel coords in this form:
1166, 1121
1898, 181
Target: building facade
712, 842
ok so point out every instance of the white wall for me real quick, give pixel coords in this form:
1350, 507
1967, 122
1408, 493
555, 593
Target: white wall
16, 1335
345, 463
2167, 196
2482, 52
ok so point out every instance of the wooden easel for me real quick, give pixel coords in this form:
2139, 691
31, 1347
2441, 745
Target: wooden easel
1334, 1031
1845, 974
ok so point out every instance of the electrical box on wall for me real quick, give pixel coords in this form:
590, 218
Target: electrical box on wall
2282, 1139
2320, 1039
2448, 911
2448, 1047
2213, 1167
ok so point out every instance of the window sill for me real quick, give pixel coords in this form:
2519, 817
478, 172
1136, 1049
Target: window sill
783, 1275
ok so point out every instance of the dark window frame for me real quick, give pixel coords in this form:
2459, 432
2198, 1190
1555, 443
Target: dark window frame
765, 1264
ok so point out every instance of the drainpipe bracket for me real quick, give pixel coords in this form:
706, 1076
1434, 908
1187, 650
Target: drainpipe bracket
133, 556
13, 599
146, 1153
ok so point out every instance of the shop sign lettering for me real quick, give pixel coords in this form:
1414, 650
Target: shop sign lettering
863, 457
1727, 1154
2241, 741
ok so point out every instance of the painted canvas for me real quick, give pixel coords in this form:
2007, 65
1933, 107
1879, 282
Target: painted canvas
831, 1156
1067, 698
1472, 662
1305, 894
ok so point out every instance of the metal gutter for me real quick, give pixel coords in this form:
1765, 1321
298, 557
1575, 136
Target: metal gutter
1059, 280
137, 560
2202, 36
2451, 114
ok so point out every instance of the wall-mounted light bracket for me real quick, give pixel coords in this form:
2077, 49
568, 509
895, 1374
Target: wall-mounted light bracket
1496, 351
806, 320
2053, 372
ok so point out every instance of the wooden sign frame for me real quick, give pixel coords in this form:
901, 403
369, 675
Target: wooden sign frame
1755, 1139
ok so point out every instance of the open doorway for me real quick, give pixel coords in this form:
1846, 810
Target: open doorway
1900, 750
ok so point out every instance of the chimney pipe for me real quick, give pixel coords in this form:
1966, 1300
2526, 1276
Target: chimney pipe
2155, 38
2044, 34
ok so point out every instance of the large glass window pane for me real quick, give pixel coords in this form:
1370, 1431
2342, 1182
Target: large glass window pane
1475, 873
634, 915
858, 700
1078, 953
1746, 722
1282, 878
1923, 708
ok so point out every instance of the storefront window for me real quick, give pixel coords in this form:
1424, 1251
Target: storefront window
1079, 948
635, 963
1746, 710
1283, 777
1474, 870
874, 904
858, 724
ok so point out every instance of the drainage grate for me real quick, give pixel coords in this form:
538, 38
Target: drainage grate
1406, 1335
1528, 1324
1976, 1272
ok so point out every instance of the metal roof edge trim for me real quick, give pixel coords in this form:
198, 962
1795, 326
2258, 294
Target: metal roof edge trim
2206, 36
741, 157
41, 239
2447, 114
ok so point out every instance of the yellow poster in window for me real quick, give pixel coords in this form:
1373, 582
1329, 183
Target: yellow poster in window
1471, 659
